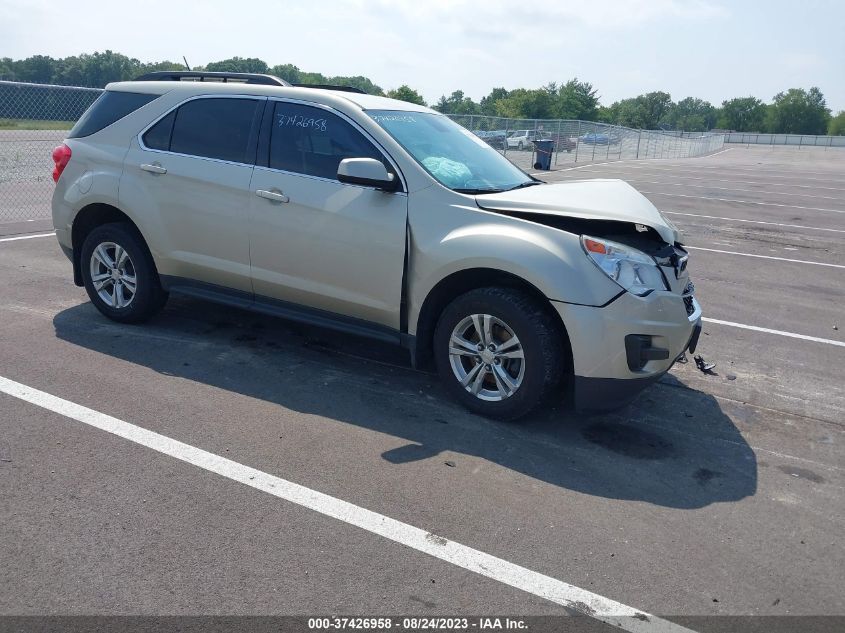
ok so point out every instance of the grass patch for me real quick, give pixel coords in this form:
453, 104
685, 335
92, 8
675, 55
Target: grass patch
33, 124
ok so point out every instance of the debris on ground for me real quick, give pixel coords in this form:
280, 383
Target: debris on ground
731, 377
683, 360
450, 464
703, 365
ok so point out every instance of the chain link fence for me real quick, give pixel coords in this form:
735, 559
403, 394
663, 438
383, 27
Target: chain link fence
34, 118
798, 140
583, 141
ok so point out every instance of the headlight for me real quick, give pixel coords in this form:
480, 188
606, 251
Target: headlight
635, 271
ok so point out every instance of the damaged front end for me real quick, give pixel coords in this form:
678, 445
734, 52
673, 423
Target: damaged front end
631, 341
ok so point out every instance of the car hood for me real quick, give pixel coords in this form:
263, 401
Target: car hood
595, 199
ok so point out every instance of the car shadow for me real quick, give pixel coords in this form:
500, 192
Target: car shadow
673, 447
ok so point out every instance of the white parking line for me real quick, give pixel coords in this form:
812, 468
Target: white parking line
25, 237
764, 204
727, 149
803, 337
742, 182
686, 184
782, 259
791, 226
780, 175
474, 560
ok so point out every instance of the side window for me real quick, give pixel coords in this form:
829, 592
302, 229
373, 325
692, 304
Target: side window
109, 107
313, 141
158, 136
213, 128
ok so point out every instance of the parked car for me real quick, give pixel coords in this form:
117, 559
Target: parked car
563, 142
523, 139
494, 138
595, 138
377, 218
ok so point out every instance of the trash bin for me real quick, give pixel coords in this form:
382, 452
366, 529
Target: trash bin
544, 150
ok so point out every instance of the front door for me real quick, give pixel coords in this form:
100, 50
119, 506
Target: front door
316, 241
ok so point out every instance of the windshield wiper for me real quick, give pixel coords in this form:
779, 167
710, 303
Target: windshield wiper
530, 183
476, 192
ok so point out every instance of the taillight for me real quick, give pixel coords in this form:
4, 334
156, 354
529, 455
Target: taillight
61, 156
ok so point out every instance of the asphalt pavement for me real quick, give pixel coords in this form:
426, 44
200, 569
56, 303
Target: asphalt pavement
712, 494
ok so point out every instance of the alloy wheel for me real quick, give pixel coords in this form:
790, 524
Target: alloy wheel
486, 357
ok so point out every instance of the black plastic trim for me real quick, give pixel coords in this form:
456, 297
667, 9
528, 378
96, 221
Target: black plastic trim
284, 309
196, 75
331, 87
605, 394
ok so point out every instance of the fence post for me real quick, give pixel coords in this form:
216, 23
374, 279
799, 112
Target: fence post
577, 141
639, 139
557, 145
507, 128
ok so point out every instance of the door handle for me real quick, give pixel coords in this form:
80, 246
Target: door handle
273, 196
154, 169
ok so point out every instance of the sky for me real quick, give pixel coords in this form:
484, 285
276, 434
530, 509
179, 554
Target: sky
711, 49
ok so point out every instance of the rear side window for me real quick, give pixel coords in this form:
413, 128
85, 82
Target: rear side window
158, 136
312, 141
211, 128
108, 108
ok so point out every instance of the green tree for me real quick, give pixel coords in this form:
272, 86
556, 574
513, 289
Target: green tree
457, 103
7, 69
488, 103
528, 104
36, 69
799, 111
647, 111
743, 114
836, 127
691, 114
654, 107
406, 93
99, 69
239, 65
288, 72
577, 100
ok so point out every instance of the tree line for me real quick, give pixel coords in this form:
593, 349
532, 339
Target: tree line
795, 111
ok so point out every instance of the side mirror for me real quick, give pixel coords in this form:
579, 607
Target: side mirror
368, 172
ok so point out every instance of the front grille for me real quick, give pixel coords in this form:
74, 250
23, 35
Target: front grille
688, 292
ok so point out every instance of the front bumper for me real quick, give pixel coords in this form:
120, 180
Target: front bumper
610, 370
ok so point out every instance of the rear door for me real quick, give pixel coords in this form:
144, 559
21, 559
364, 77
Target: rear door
316, 241
187, 180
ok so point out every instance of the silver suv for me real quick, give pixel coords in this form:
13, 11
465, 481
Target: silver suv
378, 218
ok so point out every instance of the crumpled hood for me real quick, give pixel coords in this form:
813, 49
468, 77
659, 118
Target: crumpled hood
595, 199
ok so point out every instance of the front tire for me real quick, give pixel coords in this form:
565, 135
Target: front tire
119, 274
498, 352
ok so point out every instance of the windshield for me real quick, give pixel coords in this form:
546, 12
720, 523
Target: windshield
453, 155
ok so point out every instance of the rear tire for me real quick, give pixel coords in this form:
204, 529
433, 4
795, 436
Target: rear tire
119, 274
520, 359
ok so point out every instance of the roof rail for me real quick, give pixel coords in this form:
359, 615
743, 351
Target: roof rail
331, 87
195, 75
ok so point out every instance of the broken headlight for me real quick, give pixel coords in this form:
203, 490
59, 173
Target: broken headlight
635, 271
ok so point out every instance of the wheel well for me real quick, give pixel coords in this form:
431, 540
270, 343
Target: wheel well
87, 220
463, 281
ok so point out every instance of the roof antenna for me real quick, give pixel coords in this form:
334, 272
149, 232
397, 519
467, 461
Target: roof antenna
185, 59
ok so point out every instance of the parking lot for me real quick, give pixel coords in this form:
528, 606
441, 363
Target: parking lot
354, 486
